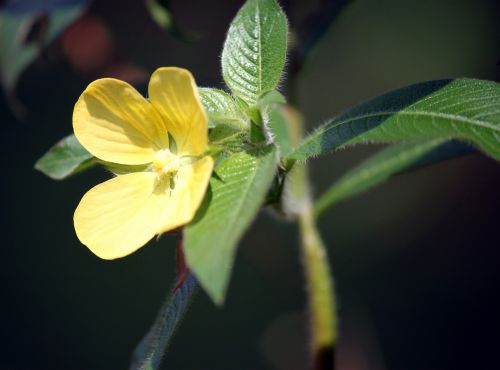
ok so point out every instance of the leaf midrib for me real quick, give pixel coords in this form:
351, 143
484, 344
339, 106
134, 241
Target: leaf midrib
259, 54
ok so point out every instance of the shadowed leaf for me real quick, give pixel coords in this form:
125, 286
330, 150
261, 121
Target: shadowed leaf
386, 163
237, 191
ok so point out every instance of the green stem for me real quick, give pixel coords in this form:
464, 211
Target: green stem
319, 280
320, 289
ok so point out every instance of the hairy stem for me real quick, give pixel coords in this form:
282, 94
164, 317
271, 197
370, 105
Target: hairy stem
320, 293
150, 351
319, 280
297, 203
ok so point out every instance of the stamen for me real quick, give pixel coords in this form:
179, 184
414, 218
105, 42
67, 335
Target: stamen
166, 163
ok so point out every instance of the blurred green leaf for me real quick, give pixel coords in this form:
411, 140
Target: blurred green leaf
313, 30
377, 169
462, 109
17, 49
150, 351
37, 6
237, 191
254, 51
160, 11
221, 108
64, 159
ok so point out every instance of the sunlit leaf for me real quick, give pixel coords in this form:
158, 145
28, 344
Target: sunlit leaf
254, 51
462, 109
221, 108
237, 191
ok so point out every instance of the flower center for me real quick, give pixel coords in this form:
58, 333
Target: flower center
166, 163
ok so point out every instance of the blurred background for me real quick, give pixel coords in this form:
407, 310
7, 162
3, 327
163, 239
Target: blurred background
415, 260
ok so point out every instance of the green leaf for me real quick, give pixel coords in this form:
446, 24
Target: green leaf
237, 191
384, 164
150, 351
64, 159
227, 138
221, 108
254, 51
280, 130
272, 97
463, 109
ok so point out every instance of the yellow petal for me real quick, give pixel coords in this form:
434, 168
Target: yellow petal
116, 124
119, 216
174, 94
190, 187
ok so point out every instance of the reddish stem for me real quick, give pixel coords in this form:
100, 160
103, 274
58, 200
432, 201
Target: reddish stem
182, 269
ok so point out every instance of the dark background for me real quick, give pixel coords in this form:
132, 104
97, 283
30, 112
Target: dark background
415, 260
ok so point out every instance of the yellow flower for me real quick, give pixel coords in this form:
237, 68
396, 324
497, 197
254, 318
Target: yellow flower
116, 124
